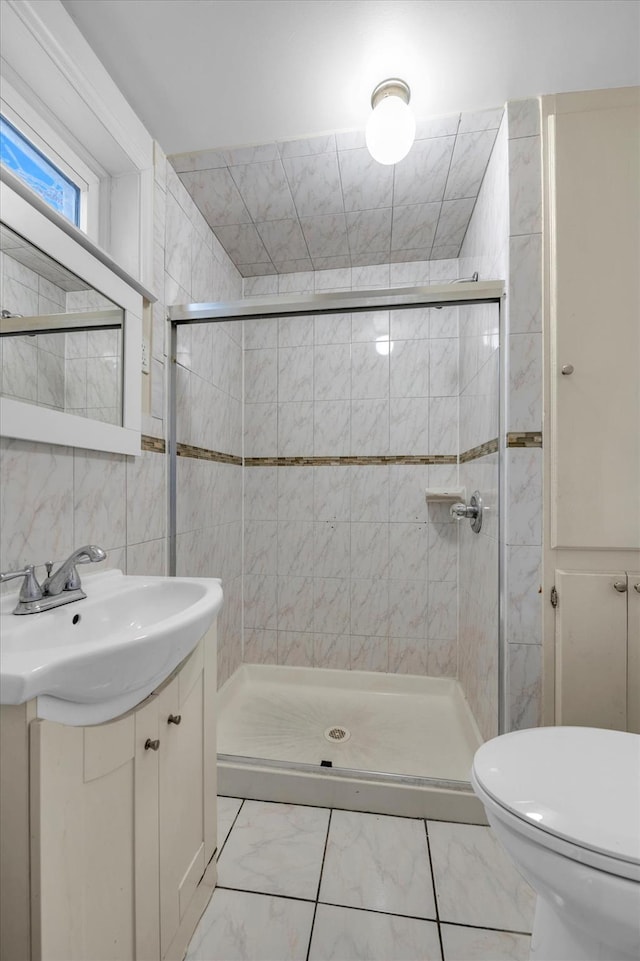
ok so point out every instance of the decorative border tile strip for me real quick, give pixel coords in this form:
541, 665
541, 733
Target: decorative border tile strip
201, 453
514, 439
350, 460
526, 438
154, 445
489, 447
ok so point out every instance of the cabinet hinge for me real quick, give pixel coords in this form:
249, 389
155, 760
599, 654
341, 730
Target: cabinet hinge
554, 596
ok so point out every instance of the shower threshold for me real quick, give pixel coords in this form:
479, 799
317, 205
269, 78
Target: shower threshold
365, 741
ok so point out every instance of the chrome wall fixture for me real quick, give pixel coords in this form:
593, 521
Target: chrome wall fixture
472, 510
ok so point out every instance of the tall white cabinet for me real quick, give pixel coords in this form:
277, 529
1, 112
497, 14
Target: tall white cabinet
598, 649
113, 857
592, 407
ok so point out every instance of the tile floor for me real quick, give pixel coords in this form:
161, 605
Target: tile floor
300, 883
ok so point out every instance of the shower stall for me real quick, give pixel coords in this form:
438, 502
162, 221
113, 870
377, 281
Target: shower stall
361, 650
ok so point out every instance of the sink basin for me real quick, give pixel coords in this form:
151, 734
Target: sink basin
90, 661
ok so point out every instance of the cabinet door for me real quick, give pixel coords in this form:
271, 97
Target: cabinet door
210, 650
591, 649
594, 145
82, 841
633, 690
181, 800
147, 904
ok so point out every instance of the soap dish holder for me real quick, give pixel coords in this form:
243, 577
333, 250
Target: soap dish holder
442, 495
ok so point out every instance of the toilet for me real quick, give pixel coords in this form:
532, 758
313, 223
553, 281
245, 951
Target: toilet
565, 804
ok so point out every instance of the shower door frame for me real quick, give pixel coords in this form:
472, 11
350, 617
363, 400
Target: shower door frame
456, 294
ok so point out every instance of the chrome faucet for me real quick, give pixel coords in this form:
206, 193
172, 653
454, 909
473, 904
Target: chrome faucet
66, 578
63, 587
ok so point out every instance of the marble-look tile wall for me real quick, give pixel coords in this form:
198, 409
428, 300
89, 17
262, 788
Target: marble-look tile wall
77, 372
53, 499
523, 485
31, 368
193, 268
484, 250
505, 239
479, 553
93, 383
346, 566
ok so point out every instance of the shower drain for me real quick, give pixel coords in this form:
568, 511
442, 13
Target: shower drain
337, 734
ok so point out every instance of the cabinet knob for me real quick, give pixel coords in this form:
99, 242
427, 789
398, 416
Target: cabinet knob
174, 718
150, 745
567, 369
620, 586
636, 587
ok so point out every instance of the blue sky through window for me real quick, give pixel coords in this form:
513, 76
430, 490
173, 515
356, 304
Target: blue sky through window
38, 173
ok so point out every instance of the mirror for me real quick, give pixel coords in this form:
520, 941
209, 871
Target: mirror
70, 337
60, 340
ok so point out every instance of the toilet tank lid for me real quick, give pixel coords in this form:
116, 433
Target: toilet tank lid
581, 784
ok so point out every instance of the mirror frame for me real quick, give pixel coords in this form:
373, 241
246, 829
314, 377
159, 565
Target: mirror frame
30, 422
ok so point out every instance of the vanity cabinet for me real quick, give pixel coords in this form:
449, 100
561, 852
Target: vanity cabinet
121, 825
598, 649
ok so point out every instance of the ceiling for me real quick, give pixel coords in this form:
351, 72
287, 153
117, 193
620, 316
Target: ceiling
323, 202
292, 79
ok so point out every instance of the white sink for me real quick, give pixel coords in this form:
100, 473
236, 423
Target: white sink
91, 660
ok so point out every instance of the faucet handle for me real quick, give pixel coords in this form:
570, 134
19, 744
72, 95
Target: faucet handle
30, 590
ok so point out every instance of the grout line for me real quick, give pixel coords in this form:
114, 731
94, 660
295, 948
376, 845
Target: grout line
316, 902
386, 914
315, 910
435, 892
484, 927
230, 829
265, 894
323, 807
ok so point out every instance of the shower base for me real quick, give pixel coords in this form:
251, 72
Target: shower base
391, 744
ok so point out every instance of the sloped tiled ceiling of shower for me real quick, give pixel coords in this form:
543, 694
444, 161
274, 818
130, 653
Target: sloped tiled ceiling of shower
323, 202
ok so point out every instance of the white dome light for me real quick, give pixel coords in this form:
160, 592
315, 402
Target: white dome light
391, 128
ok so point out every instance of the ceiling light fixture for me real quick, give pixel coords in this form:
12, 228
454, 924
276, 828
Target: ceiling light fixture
392, 127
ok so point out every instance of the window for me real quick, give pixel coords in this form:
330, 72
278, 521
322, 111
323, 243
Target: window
38, 172
57, 94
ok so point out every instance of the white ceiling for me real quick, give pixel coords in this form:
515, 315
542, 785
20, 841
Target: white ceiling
219, 73
207, 77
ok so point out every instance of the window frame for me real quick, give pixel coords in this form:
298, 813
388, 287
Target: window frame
34, 128
45, 57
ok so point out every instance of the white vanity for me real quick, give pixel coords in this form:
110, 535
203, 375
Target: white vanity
108, 829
